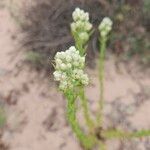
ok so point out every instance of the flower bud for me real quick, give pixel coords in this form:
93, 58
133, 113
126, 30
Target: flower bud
84, 37
68, 58
69, 66
63, 66
88, 26
105, 26
79, 14
57, 75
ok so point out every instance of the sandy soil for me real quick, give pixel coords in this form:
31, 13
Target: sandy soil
36, 111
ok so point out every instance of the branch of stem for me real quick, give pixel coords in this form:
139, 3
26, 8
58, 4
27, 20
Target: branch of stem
101, 79
110, 134
85, 108
87, 141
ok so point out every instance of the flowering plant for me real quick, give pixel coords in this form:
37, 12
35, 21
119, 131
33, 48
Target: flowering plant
81, 29
69, 72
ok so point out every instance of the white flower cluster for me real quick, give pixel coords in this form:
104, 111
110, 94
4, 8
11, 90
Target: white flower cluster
79, 14
105, 26
81, 24
69, 69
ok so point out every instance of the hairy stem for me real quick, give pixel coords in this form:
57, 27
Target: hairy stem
78, 43
86, 141
101, 79
110, 134
85, 108
80, 47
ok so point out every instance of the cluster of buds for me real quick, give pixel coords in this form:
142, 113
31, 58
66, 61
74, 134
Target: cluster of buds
105, 26
79, 14
81, 26
69, 67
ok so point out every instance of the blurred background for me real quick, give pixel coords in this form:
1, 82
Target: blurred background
32, 111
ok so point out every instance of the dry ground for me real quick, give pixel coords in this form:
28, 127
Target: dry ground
36, 111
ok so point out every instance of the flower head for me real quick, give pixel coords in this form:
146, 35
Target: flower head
81, 26
105, 26
69, 67
79, 14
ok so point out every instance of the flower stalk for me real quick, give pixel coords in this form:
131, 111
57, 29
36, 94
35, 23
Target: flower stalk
87, 141
84, 104
104, 28
118, 134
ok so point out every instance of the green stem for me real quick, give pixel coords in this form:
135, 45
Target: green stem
79, 46
78, 43
110, 134
101, 79
86, 141
84, 104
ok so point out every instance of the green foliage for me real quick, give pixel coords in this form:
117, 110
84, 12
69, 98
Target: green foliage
146, 7
34, 57
2, 117
140, 46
